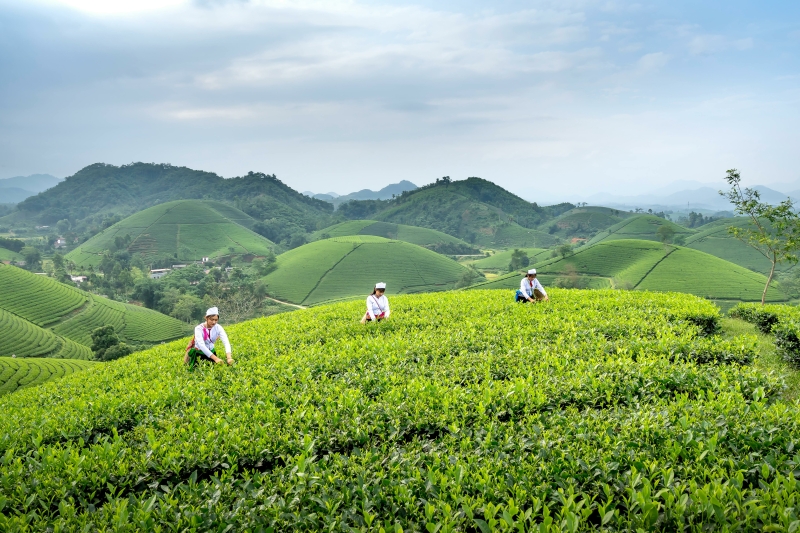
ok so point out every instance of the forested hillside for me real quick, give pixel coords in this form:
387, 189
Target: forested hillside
474, 209
102, 188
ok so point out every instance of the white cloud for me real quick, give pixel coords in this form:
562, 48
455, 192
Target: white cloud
712, 44
653, 61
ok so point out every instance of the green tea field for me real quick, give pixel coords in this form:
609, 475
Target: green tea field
600, 410
70, 315
186, 229
647, 265
8, 255
425, 237
714, 239
500, 260
639, 227
345, 267
18, 373
585, 220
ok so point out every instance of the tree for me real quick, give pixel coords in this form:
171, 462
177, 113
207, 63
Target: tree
564, 250
519, 260
665, 233
32, 257
774, 230
187, 308
103, 338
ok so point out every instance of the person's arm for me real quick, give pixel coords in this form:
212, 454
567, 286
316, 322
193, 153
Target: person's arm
370, 312
226, 343
539, 286
523, 286
199, 343
386, 300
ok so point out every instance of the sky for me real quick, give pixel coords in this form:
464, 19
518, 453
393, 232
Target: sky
553, 100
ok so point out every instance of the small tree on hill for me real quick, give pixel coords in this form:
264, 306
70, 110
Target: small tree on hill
665, 233
774, 230
107, 346
519, 260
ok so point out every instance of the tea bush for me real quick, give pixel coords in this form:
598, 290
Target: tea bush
599, 410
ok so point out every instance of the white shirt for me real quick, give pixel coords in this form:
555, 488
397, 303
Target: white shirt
527, 287
211, 335
376, 306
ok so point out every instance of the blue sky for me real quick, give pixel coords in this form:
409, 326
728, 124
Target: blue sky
551, 100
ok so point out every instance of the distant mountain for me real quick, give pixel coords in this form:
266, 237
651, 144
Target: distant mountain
395, 189
14, 195
108, 189
16, 189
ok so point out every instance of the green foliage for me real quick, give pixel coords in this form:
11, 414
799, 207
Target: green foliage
584, 222
774, 231
17, 373
24, 339
14, 245
106, 345
781, 320
665, 234
448, 417
117, 351
519, 260
346, 267
38, 299
501, 260
191, 229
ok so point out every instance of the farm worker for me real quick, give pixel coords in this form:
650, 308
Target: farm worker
377, 304
205, 335
530, 289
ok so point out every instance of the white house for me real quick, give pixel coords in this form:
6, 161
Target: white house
159, 272
60, 242
78, 279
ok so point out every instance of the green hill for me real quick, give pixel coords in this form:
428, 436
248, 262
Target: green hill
639, 227
500, 260
187, 230
8, 255
714, 239
69, 316
101, 188
475, 210
584, 222
604, 410
646, 265
344, 267
427, 238
18, 373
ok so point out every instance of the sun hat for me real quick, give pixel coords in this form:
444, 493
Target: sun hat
380, 285
532, 271
212, 311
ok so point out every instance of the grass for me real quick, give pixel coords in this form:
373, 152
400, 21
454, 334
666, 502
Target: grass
186, 229
19, 373
643, 227
344, 267
647, 265
768, 361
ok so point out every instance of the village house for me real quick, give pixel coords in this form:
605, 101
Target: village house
159, 272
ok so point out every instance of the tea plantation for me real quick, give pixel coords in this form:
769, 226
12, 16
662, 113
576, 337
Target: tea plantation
500, 260
346, 267
18, 373
602, 410
639, 227
192, 229
401, 232
647, 265
8, 255
33, 303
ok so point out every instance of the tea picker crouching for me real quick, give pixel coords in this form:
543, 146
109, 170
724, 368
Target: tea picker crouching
377, 304
201, 347
530, 290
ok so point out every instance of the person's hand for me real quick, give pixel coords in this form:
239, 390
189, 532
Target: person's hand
230, 359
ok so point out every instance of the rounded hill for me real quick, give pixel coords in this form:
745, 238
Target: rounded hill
19, 373
640, 227
425, 237
187, 230
584, 221
500, 260
647, 265
345, 267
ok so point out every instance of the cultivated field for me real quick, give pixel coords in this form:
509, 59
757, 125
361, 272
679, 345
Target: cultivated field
25, 339
38, 299
500, 260
401, 232
345, 267
647, 265
8, 255
621, 411
17, 373
192, 229
585, 219
639, 227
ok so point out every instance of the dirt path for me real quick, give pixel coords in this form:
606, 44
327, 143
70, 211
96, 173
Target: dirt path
286, 303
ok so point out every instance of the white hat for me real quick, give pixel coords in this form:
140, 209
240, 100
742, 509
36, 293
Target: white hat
532, 271
212, 311
380, 285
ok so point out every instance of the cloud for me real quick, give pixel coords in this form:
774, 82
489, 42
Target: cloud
712, 44
653, 61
